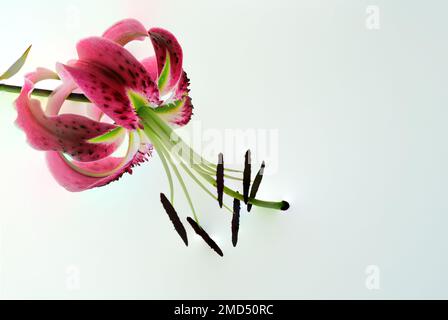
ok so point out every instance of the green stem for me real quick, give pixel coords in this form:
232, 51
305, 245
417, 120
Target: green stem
78, 97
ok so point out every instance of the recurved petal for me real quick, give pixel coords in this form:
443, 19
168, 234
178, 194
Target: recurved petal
58, 96
166, 67
182, 86
79, 176
150, 64
128, 71
179, 109
105, 90
177, 113
126, 31
65, 133
169, 58
95, 113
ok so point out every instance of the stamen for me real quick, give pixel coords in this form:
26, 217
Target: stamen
220, 178
246, 176
256, 185
235, 221
172, 214
204, 235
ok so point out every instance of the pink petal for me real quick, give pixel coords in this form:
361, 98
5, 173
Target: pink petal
58, 96
54, 103
126, 31
179, 115
67, 133
41, 74
75, 181
150, 64
95, 113
105, 91
165, 43
114, 58
182, 86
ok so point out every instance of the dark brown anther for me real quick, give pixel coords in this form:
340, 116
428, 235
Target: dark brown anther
204, 235
220, 178
246, 176
235, 221
256, 185
172, 214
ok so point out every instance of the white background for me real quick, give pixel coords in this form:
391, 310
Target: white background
362, 156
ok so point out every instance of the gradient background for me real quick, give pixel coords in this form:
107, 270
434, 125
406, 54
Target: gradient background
361, 116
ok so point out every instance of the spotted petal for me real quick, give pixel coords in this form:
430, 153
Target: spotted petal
105, 91
106, 73
79, 176
150, 65
179, 109
182, 86
64, 133
178, 113
165, 68
169, 58
58, 96
126, 31
120, 61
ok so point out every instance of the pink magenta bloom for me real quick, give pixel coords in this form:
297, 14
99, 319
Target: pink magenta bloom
79, 149
138, 100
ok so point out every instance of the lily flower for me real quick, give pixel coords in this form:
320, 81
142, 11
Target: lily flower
111, 78
146, 100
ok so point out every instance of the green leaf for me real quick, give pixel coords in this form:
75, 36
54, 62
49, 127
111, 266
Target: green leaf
16, 66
